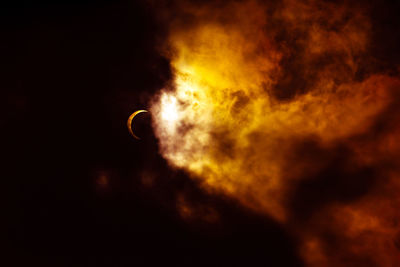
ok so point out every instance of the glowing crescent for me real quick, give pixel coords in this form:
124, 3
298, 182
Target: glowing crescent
129, 123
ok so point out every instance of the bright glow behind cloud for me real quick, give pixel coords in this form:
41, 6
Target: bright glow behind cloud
222, 123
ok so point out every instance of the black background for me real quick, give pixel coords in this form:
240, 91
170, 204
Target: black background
72, 72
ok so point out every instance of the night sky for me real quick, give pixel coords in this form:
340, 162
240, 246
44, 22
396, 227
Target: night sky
71, 74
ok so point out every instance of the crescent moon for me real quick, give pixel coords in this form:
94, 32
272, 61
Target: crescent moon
129, 122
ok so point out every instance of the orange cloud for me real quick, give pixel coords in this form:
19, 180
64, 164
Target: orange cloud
253, 84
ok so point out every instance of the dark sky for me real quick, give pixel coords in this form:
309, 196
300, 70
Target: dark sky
71, 73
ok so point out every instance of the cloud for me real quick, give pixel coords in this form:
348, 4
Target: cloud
271, 105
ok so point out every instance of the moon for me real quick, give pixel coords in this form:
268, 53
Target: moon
129, 122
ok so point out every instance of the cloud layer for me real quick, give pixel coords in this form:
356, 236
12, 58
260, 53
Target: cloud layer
278, 106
